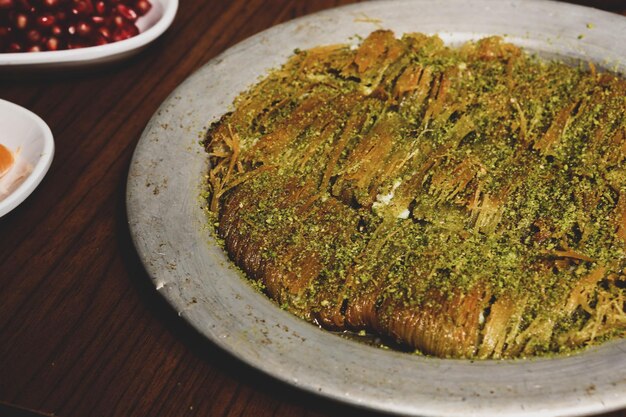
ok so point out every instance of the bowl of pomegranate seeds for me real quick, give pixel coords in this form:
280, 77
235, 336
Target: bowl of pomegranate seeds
45, 33
26, 151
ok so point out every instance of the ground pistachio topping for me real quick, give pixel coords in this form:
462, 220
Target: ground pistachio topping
462, 202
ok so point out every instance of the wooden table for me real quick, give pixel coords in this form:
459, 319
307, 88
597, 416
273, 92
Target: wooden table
83, 333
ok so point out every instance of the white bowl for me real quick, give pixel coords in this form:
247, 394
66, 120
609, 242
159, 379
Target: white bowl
151, 26
22, 129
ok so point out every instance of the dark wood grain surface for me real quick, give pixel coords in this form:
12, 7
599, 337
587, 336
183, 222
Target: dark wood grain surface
82, 331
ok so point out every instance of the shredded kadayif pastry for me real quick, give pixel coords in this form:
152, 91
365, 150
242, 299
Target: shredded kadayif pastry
465, 202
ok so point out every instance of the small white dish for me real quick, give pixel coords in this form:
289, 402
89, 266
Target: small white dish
151, 26
26, 134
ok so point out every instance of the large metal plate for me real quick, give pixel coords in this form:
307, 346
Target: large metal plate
172, 237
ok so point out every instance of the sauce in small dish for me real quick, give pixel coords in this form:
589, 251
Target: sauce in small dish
13, 171
6, 160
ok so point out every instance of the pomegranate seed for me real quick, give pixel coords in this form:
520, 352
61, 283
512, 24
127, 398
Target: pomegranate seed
34, 48
52, 44
56, 30
105, 32
143, 7
82, 8
88, 6
33, 36
71, 30
127, 12
125, 33
45, 20
83, 29
4, 31
119, 21
50, 3
101, 7
6, 4
15, 47
21, 21
119, 36
100, 40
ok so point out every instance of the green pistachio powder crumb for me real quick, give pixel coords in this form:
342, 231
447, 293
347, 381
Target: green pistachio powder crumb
523, 174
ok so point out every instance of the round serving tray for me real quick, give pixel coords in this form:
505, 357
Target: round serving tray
171, 231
